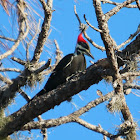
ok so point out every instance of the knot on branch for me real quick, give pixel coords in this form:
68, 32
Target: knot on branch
127, 127
83, 27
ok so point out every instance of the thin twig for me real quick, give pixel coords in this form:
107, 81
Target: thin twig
130, 38
24, 95
58, 57
116, 9
43, 130
7, 38
43, 67
92, 42
58, 53
10, 69
30, 42
85, 34
97, 129
126, 74
18, 60
21, 36
133, 86
98, 30
77, 15
116, 3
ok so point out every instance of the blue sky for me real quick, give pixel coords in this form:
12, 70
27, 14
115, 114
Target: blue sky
65, 29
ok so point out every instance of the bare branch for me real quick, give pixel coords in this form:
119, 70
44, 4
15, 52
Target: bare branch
109, 45
85, 34
114, 11
43, 67
98, 30
30, 42
10, 69
126, 74
43, 130
25, 96
133, 86
77, 15
6, 38
69, 118
6, 80
45, 29
130, 38
21, 35
116, 3
58, 53
97, 129
92, 42
18, 60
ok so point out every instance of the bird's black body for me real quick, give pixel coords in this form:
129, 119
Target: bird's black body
69, 65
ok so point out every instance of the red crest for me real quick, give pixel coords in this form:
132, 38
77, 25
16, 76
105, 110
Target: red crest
81, 39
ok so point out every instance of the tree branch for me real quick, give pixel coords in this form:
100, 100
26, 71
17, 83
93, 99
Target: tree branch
97, 129
109, 45
85, 34
117, 9
7, 38
5, 80
98, 30
82, 81
130, 38
18, 60
21, 35
44, 30
69, 118
10, 69
116, 3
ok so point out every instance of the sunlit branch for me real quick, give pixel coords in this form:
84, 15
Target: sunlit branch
43, 67
116, 9
109, 45
116, 3
5, 80
58, 53
10, 69
44, 29
85, 34
126, 74
18, 60
95, 128
130, 38
98, 30
24, 95
6, 38
30, 42
133, 86
21, 35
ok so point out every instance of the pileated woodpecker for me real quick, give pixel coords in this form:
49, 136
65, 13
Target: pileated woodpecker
69, 65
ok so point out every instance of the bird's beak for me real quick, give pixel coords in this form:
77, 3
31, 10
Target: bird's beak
89, 54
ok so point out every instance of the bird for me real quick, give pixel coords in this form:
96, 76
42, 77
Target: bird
68, 66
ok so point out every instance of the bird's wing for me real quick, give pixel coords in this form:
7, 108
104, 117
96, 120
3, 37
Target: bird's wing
64, 62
